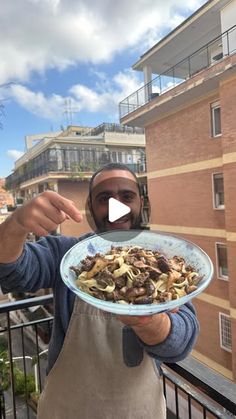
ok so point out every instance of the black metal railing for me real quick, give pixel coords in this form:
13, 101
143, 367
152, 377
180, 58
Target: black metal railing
209, 54
23, 355
112, 127
74, 161
2, 405
187, 396
190, 397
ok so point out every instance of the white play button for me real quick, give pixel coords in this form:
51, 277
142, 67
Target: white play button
116, 210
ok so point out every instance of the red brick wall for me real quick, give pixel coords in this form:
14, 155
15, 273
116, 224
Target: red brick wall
228, 102
182, 138
228, 119
209, 340
186, 199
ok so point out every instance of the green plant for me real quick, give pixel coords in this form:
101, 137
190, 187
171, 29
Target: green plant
4, 370
3, 344
24, 384
18, 295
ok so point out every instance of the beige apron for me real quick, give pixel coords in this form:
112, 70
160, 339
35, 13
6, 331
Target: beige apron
90, 379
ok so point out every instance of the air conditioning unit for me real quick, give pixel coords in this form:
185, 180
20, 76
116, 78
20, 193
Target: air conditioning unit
19, 202
141, 167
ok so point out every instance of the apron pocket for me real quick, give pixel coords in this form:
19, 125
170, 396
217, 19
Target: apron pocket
132, 351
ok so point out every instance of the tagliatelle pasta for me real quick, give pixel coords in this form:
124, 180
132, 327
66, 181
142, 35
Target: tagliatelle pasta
134, 275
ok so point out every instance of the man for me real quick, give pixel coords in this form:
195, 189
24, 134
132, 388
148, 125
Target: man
98, 368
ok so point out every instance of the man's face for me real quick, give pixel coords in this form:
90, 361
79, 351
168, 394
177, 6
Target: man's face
120, 185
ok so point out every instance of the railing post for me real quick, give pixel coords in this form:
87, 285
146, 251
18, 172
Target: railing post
11, 365
36, 378
189, 67
208, 57
227, 42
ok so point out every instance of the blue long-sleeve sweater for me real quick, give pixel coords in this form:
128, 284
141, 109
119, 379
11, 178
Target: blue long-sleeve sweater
39, 267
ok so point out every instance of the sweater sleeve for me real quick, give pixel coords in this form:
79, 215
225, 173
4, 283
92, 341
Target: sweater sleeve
37, 267
181, 339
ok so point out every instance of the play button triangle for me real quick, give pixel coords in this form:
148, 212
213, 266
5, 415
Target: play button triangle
116, 210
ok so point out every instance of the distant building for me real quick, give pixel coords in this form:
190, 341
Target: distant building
188, 109
65, 161
6, 197
6, 201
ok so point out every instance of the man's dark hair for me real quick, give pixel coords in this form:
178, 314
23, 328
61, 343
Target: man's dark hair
114, 166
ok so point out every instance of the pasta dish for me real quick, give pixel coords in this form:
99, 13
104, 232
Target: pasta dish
134, 275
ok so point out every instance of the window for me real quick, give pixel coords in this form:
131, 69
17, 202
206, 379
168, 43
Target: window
222, 262
114, 156
225, 332
119, 156
215, 119
218, 191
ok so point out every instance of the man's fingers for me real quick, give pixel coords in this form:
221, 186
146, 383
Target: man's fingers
135, 320
65, 205
175, 310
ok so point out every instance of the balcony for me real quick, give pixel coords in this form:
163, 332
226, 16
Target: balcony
208, 55
24, 360
73, 161
111, 127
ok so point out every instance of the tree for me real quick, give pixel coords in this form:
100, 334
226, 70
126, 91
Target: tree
2, 108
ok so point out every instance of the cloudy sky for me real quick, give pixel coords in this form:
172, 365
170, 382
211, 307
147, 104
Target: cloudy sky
58, 55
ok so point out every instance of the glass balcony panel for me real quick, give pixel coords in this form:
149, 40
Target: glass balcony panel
209, 54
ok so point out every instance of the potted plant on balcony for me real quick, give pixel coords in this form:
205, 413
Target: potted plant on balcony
24, 384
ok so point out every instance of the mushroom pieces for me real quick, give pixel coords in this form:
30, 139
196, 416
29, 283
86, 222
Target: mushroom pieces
99, 265
133, 275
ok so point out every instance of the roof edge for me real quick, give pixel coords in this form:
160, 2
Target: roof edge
174, 32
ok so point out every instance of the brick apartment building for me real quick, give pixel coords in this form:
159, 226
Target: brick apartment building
188, 109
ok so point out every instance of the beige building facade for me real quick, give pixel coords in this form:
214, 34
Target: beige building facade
188, 113
65, 162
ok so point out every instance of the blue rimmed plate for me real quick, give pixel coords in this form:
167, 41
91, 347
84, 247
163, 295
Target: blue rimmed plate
165, 243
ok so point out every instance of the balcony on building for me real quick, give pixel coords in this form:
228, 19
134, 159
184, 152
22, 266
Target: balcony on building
65, 161
78, 155
190, 61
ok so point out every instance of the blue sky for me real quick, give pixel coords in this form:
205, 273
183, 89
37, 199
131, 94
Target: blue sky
73, 51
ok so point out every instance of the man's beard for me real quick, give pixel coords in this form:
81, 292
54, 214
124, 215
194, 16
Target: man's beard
136, 222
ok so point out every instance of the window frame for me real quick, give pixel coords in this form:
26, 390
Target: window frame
214, 194
213, 107
221, 331
218, 267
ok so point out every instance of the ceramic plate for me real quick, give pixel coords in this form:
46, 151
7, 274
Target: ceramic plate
167, 244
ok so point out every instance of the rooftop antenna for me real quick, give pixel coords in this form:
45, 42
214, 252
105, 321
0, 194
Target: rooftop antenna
69, 111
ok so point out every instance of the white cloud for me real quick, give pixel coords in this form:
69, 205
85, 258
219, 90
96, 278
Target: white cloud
61, 33
109, 92
14, 154
105, 96
37, 103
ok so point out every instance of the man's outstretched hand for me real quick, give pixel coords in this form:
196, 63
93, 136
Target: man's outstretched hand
153, 329
41, 216
45, 212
